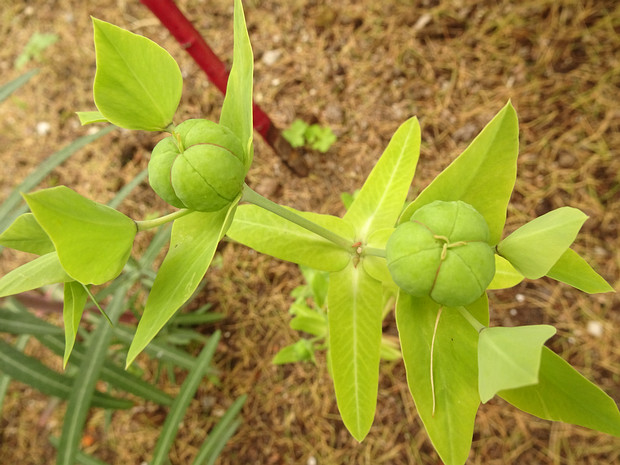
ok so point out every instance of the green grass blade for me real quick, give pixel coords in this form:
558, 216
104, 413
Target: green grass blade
81, 457
81, 395
127, 188
111, 373
25, 323
7, 215
158, 350
177, 412
6, 379
31, 371
220, 434
7, 89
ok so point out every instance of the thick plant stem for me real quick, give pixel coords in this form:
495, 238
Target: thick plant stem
255, 198
154, 223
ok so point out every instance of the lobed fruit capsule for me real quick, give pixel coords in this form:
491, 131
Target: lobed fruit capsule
442, 252
200, 167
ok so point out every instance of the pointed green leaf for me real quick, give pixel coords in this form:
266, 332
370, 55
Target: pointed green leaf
7, 89
93, 241
192, 246
536, 246
237, 108
381, 199
562, 394
483, 175
575, 271
308, 320
27, 235
75, 296
455, 373
509, 357
41, 271
505, 274
82, 391
90, 117
271, 234
138, 84
354, 320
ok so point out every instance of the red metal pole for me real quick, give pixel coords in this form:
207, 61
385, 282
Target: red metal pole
191, 40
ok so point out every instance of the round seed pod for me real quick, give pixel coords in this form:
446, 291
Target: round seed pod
200, 167
442, 252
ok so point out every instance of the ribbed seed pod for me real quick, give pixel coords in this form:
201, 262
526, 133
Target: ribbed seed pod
442, 252
200, 167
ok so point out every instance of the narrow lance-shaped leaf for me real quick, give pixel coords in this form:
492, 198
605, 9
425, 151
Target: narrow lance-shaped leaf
482, 176
536, 246
381, 199
90, 117
271, 234
354, 320
75, 296
237, 108
138, 84
93, 241
192, 246
562, 394
575, 271
453, 386
509, 357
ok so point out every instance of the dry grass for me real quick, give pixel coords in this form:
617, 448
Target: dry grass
361, 67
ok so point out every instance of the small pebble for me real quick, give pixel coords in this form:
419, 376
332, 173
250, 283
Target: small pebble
271, 56
43, 128
311, 461
594, 328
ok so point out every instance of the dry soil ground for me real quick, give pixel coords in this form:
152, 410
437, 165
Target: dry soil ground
362, 67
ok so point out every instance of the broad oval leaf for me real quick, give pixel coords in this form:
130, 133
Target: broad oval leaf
381, 199
27, 235
573, 270
192, 246
505, 274
273, 235
93, 241
536, 246
41, 271
455, 373
138, 84
483, 175
563, 394
354, 320
509, 357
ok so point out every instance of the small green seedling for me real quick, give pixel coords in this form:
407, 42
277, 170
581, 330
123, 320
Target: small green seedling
300, 134
441, 255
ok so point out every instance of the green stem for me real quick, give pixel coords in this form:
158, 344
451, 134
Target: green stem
375, 252
154, 223
471, 319
255, 198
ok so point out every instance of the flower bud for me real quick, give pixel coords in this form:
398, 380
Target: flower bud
200, 167
442, 252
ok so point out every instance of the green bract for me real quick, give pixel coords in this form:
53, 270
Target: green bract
442, 252
201, 166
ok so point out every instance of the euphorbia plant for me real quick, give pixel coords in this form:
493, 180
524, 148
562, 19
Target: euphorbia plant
440, 254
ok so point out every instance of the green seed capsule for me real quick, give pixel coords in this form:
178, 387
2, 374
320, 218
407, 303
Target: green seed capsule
442, 252
200, 167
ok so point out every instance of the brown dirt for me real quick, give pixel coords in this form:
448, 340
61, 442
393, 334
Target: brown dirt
362, 68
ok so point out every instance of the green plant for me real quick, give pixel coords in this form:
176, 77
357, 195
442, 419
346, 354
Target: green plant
454, 359
317, 137
93, 359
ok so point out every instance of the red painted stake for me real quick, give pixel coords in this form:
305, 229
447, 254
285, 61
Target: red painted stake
191, 40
